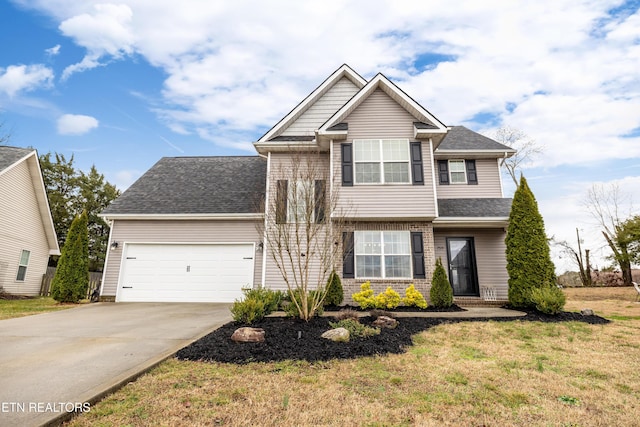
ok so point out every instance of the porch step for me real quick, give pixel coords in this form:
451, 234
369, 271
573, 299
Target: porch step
478, 302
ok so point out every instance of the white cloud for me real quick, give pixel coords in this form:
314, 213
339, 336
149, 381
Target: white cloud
22, 78
104, 31
76, 124
53, 51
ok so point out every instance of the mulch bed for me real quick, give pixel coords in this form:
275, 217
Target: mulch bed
282, 342
5, 296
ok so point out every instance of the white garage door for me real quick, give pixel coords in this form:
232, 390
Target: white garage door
186, 273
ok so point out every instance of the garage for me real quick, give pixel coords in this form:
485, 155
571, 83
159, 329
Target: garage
185, 272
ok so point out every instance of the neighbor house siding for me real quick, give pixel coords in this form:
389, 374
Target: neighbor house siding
322, 109
488, 183
380, 117
21, 228
490, 256
174, 231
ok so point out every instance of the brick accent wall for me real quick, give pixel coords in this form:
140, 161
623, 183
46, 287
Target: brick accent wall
351, 286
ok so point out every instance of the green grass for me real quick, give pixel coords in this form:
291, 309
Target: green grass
26, 307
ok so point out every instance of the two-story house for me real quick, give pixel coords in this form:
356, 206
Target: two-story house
402, 187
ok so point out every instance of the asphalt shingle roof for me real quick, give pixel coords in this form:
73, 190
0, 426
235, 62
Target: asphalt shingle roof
461, 138
491, 207
196, 185
10, 155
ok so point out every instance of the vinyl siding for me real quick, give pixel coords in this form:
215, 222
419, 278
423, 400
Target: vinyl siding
491, 260
380, 117
174, 231
489, 184
322, 109
21, 228
281, 168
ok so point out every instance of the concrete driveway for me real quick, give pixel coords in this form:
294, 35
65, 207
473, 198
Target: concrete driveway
53, 362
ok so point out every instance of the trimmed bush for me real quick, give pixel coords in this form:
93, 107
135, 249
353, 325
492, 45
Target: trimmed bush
413, 298
71, 281
335, 294
355, 328
389, 299
248, 311
441, 293
365, 298
549, 300
257, 304
528, 260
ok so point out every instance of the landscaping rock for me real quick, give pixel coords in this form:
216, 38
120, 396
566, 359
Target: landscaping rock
587, 312
337, 335
385, 322
248, 335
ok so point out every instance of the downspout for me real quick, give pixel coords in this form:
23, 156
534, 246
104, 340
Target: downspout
500, 164
106, 258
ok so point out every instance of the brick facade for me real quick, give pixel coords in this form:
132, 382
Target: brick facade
351, 286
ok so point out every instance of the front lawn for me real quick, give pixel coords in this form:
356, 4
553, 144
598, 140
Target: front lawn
10, 308
465, 373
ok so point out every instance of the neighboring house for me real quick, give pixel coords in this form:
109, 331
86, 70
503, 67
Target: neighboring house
410, 188
27, 235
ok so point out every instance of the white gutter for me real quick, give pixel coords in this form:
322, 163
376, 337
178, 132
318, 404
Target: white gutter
195, 217
265, 246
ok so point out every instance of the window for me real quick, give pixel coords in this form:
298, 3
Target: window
383, 254
457, 173
300, 201
382, 161
22, 267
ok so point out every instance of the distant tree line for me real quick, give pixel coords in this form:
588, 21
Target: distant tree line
71, 191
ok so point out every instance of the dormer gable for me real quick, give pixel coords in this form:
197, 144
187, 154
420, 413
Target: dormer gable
426, 124
300, 124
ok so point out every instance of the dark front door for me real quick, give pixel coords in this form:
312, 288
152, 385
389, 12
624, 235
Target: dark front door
462, 266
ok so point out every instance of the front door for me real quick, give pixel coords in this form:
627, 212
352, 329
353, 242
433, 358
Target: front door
462, 266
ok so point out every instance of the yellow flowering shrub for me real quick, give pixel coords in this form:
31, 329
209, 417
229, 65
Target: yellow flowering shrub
388, 299
365, 298
413, 298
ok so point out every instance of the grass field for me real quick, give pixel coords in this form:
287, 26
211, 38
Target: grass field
470, 374
10, 308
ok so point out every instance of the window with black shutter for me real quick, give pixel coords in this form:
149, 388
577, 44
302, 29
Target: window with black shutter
346, 153
282, 194
348, 267
417, 173
443, 171
472, 175
320, 200
417, 255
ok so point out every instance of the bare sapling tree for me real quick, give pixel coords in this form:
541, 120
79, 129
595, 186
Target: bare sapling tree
302, 226
605, 203
582, 261
527, 149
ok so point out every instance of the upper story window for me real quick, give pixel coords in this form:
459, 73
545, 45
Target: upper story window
300, 201
382, 161
457, 172
22, 267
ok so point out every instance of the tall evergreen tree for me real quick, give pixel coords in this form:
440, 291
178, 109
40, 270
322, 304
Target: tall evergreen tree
441, 293
71, 280
528, 258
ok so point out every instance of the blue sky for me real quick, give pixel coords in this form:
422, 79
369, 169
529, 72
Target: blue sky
121, 85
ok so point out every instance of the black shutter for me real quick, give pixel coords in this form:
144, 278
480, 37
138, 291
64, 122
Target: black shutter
346, 153
417, 255
416, 163
348, 265
443, 171
320, 200
472, 175
281, 201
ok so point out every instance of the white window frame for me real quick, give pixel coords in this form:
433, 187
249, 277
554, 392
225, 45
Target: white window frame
23, 265
381, 161
300, 205
463, 171
382, 254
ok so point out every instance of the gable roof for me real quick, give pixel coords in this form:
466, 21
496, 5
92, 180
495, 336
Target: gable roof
343, 71
425, 121
460, 140
10, 157
232, 186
